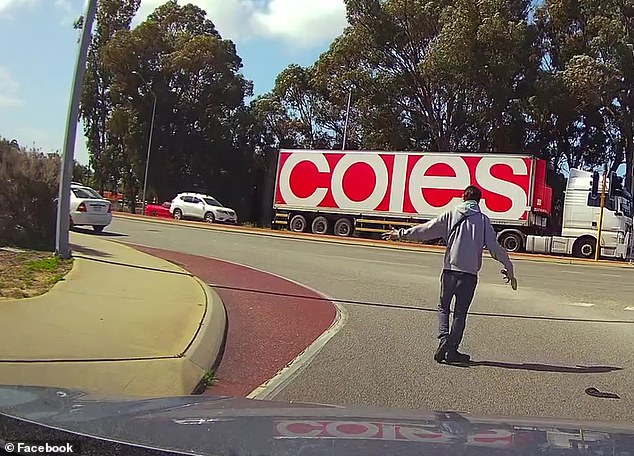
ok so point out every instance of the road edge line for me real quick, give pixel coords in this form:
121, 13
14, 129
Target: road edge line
272, 387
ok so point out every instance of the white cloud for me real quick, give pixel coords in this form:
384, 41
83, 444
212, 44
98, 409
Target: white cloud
8, 89
9, 5
303, 22
70, 9
298, 23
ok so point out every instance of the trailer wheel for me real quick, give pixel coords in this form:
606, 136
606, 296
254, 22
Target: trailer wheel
298, 223
320, 225
343, 227
585, 247
512, 242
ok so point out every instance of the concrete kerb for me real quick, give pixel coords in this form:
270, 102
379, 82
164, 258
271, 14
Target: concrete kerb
379, 245
205, 349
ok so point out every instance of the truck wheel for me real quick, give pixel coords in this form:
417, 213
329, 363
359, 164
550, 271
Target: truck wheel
298, 223
585, 248
512, 242
343, 227
320, 225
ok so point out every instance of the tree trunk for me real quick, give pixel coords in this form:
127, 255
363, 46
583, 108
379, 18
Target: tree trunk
268, 190
628, 136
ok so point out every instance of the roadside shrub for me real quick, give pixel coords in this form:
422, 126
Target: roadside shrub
28, 188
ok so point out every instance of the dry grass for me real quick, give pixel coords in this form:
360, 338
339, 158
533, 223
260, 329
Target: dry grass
28, 273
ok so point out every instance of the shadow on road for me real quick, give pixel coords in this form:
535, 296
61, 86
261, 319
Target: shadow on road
100, 257
94, 233
88, 251
548, 367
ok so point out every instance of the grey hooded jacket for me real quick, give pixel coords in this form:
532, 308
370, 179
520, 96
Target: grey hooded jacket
466, 243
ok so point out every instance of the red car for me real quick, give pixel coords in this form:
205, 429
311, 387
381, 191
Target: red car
156, 210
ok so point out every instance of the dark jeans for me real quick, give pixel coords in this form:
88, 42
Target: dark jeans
461, 285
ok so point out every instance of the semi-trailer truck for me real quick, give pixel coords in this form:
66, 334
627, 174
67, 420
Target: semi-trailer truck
349, 193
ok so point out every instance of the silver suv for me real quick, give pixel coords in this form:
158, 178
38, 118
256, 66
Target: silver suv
198, 206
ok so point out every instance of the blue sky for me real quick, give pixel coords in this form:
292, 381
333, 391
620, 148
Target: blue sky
38, 46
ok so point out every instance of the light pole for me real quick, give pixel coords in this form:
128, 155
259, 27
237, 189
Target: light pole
597, 251
149, 143
345, 127
631, 189
62, 225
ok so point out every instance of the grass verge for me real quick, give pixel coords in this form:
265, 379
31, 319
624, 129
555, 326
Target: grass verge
28, 273
208, 379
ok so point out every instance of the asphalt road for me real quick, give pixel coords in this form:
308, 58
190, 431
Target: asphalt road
566, 329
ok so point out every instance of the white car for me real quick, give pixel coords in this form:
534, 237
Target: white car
198, 206
89, 208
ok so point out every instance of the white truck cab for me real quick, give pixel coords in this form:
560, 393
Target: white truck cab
581, 213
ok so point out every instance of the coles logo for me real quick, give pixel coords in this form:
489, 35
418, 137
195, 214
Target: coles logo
359, 430
411, 183
366, 430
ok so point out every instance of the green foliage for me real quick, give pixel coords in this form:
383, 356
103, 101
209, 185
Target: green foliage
209, 379
434, 75
44, 264
551, 78
96, 102
200, 138
29, 187
583, 104
83, 174
489, 75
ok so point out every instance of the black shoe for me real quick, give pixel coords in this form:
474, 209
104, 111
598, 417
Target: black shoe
457, 357
441, 351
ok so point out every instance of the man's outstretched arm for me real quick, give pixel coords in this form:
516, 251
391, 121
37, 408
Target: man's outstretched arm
434, 229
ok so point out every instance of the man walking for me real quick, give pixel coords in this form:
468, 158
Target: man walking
467, 232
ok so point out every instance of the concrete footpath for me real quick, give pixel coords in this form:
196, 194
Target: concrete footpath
122, 323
